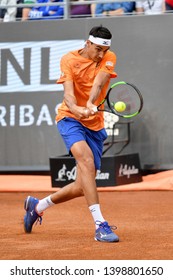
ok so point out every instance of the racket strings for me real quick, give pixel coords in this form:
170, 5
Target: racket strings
126, 94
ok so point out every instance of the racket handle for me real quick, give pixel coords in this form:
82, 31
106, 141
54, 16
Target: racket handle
95, 109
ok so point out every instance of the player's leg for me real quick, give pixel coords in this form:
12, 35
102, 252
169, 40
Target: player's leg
35, 207
86, 171
84, 184
88, 159
83, 155
87, 162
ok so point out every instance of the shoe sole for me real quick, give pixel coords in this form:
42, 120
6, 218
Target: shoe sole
105, 240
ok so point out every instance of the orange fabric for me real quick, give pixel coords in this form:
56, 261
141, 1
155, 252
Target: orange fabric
82, 72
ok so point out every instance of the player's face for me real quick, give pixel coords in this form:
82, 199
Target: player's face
96, 52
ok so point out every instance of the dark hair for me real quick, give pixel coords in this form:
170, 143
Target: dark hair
100, 32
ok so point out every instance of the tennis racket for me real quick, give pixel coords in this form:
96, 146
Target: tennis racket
123, 99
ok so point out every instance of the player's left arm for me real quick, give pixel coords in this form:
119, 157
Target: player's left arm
99, 82
103, 77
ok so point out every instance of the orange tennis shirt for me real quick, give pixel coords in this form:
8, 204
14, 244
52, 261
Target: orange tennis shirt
82, 72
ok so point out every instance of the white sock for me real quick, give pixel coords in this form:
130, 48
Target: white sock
96, 213
44, 204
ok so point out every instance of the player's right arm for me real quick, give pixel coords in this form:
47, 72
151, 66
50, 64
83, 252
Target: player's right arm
66, 79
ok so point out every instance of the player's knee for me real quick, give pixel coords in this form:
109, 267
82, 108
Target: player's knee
78, 190
88, 163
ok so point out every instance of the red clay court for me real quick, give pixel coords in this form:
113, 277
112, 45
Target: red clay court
142, 213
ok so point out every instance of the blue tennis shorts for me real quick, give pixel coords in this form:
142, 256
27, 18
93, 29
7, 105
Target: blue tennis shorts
73, 131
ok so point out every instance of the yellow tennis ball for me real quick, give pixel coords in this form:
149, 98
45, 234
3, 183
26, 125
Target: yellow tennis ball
120, 106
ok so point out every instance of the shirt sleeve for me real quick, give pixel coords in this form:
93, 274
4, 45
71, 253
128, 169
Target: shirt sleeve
66, 73
108, 64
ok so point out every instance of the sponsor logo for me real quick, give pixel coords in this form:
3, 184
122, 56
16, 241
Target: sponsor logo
32, 213
109, 63
33, 66
25, 115
127, 170
106, 43
102, 176
61, 173
103, 235
66, 175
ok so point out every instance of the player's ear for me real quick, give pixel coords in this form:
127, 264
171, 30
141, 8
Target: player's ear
88, 43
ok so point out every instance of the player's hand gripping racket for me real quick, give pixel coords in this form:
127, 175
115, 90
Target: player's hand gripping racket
122, 99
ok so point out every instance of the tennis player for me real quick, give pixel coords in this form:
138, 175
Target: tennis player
85, 75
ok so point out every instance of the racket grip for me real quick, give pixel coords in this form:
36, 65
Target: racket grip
95, 109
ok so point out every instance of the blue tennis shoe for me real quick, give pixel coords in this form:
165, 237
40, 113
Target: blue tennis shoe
105, 234
31, 215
